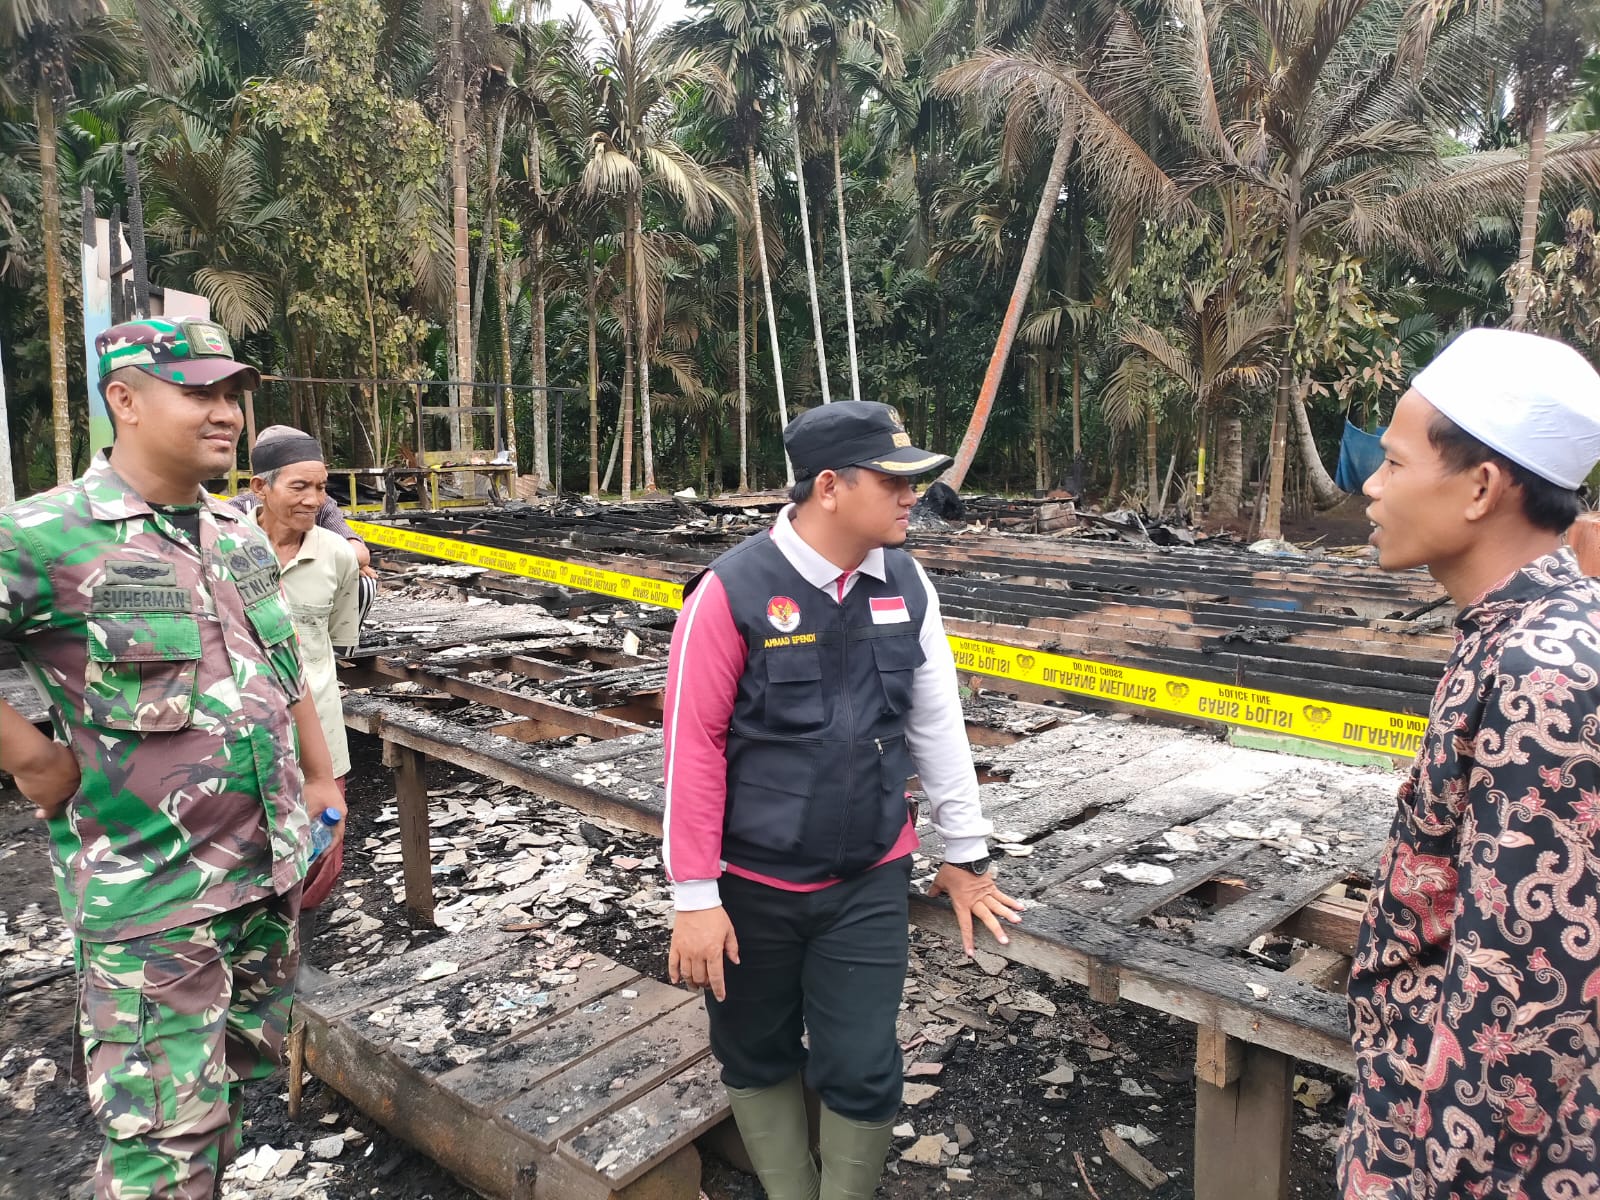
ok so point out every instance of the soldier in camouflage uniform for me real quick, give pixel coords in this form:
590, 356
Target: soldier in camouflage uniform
151, 620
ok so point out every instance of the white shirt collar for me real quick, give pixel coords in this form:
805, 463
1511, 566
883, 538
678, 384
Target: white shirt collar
813, 568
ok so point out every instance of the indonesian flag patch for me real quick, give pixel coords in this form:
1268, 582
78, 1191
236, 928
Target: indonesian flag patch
889, 610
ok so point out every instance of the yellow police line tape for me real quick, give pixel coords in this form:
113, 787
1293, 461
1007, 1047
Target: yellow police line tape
1397, 734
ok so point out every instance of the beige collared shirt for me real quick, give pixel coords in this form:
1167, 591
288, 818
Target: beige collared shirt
320, 581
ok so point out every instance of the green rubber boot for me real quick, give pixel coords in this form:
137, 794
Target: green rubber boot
772, 1123
852, 1155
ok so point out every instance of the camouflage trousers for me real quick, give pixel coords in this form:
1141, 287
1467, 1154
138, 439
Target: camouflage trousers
173, 1024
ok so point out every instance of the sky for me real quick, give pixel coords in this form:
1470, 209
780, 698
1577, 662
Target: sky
669, 12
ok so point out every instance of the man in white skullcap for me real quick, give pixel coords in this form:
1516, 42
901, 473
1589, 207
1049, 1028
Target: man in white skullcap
1476, 977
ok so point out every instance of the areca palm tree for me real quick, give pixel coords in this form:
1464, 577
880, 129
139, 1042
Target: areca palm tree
799, 74
1221, 345
849, 51
739, 41
216, 215
41, 42
638, 80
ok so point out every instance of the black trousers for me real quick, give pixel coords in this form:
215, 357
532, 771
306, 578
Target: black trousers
830, 965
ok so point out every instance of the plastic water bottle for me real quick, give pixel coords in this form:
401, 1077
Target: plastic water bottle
322, 832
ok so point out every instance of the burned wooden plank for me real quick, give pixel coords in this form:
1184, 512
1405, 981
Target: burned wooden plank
1281, 1013
1265, 907
631, 1140
411, 804
612, 1076
340, 995
537, 1054
477, 750
559, 716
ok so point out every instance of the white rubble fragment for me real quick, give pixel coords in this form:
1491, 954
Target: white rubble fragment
328, 1147
1150, 873
927, 1151
1135, 1135
1027, 1001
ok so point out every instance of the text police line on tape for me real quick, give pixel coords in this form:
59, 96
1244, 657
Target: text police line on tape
1398, 734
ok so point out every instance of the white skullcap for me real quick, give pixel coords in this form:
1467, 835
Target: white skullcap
1535, 400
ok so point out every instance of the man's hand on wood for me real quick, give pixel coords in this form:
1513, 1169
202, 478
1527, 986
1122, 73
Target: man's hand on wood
976, 896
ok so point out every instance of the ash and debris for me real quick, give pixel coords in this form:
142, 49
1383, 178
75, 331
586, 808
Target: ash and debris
1009, 1074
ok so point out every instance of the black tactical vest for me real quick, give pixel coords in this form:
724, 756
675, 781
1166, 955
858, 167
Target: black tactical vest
817, 758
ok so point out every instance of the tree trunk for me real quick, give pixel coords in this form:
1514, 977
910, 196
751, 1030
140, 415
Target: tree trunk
1077, 402
1042, 381
772, 314
490, 235
629, 341
805, 239
646, 344
376, 441
611, 460
56, 317
844, 261
1324, 492
744, 400
1031, 257
1523, 275
1278, 443
461, 431
8, 482
541, 366
1152, 463
505, 290
594, 375
1227, 483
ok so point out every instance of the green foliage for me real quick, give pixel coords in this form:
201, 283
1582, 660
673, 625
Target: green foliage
1565, 300
360, 166
294, 173
1345, 345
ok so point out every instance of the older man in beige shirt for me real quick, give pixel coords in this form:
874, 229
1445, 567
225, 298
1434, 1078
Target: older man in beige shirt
321, 577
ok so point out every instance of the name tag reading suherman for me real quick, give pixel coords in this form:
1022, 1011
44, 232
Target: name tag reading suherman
889, 610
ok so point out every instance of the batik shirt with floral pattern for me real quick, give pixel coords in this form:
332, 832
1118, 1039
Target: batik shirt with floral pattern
1474, 991
169, 669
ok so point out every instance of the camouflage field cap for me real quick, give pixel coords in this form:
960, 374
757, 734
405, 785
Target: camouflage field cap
184, 350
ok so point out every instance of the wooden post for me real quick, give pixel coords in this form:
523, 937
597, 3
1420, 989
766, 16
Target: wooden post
1242, 1131
297, 1067
416, 851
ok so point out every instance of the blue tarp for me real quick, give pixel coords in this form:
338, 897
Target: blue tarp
1359, 456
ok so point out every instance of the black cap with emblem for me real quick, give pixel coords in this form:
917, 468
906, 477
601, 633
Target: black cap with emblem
855, 433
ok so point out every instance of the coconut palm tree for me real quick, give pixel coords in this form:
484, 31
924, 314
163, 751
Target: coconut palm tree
1544, 48
1046, 95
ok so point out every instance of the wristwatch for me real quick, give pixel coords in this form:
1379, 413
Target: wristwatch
978, 866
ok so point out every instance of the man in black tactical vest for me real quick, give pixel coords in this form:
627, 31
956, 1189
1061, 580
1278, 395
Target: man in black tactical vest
809, 678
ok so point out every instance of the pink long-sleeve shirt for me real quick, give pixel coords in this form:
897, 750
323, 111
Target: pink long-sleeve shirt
707, 659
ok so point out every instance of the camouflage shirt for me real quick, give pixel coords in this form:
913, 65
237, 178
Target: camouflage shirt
170, 672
